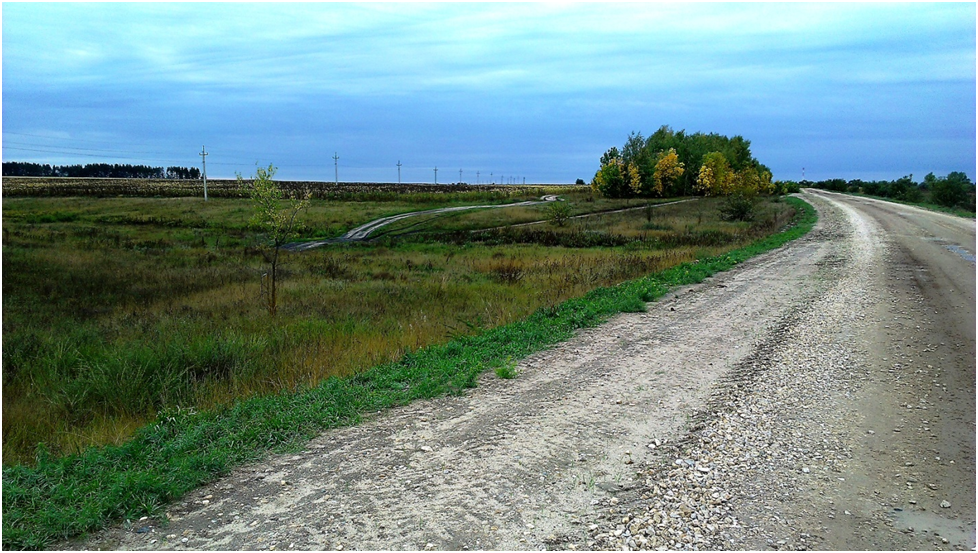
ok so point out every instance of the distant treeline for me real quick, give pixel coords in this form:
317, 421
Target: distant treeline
954, 190
98, 170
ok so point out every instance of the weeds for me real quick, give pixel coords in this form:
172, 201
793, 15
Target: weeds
223, 398
507, 370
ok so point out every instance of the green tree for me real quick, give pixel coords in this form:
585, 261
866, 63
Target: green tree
614, 179
276, 216
951, 190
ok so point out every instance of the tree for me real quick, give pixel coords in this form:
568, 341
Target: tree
614, 179
277, 222
951, 190
715, 177
668, 168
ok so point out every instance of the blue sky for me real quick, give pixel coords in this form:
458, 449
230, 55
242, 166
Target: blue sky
534, 91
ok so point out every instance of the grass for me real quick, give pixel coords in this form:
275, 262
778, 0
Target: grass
254, 387
133, 305
508, 370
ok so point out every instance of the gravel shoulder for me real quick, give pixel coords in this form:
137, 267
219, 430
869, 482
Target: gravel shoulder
820, 396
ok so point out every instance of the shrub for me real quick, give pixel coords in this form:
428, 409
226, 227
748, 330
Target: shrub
558, 213
738, 207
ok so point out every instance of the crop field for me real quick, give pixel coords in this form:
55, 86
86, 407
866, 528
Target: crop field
120, 306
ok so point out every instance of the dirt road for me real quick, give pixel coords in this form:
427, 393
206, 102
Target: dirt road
364, 231
821, 396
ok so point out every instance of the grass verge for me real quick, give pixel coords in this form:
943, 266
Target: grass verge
62, 497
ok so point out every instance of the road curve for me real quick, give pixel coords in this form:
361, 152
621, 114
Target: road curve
364, 231
820, 396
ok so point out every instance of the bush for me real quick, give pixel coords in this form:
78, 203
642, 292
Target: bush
738, 207
557, 213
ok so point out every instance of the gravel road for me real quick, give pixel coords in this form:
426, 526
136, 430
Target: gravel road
821, 396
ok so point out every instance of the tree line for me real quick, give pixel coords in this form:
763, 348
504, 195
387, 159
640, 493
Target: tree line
674, 163
98, 170
953, 190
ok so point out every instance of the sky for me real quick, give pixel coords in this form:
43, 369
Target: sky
500, 92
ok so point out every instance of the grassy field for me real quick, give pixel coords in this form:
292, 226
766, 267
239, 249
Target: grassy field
148, 334
118, 308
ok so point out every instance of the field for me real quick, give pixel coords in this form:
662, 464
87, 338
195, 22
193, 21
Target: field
120, 307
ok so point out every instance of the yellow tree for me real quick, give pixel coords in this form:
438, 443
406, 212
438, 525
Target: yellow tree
767, 185
715, 177
705, 180
668, 168
634, 178
748, 182
752, 181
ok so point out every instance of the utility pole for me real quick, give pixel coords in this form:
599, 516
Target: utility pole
460, 176
477, 178
336, 167
203, 161
398, 171
436, 175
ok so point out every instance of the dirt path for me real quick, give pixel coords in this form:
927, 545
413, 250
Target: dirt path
819, 396
364, 231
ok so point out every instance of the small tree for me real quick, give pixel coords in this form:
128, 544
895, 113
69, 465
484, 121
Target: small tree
558, 213
277, 220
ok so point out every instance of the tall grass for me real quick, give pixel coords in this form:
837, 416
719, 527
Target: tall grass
108, 324
59, 497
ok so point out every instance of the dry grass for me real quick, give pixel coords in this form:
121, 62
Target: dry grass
124, 307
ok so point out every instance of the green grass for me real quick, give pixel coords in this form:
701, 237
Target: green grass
508, 370
135, 305
61, 497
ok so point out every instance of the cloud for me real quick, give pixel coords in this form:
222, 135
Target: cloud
478, 82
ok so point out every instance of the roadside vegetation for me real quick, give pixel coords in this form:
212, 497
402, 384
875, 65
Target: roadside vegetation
328, 359
118, 308
153, 341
